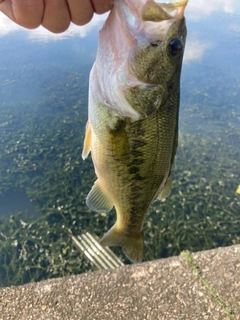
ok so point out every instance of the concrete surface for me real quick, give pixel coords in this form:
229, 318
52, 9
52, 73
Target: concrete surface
204, 285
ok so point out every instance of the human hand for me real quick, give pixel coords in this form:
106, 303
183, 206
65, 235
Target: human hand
54, 15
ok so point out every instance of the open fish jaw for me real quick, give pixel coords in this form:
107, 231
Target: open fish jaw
122, 36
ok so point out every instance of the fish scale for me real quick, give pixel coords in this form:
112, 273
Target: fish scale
132, 130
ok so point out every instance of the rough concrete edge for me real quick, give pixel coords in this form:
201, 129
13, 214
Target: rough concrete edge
190, 261
187, 256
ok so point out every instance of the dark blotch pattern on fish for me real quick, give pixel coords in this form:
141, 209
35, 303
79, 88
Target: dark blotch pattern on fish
133, 169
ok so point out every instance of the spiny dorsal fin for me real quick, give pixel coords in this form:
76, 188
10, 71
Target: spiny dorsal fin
96, 199
132, 246
87, 141
166, 190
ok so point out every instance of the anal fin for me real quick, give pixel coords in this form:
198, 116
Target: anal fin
87, 141
97, 200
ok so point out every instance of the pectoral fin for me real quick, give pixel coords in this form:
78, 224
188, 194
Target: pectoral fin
87, 141
96, 199
166, 190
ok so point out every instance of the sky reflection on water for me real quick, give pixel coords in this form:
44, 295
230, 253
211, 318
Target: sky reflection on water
76, 46
43, 111
219, 16
30, 57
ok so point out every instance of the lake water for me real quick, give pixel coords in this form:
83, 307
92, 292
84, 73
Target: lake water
43, 180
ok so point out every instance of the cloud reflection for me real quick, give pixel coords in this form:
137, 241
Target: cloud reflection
200, 9
7, 26
195, 50
196, 10
41, 34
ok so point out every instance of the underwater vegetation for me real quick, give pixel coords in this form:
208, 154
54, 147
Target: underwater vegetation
40, 155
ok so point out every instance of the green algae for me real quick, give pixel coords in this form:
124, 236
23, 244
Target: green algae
40, 155
186, 255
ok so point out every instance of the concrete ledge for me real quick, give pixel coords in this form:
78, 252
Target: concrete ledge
203, 285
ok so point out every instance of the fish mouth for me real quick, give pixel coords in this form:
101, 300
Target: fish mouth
157, 11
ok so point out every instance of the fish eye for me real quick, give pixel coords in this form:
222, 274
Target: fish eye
175, 46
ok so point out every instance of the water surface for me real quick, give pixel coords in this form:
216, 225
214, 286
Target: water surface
43, 111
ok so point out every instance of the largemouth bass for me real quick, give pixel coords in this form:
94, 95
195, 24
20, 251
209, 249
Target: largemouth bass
132, 130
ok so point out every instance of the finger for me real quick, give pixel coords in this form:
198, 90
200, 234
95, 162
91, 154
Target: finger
56, 16
102, 6
26, 13
80, 13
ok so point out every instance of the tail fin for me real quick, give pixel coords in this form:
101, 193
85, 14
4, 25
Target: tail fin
132, 246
